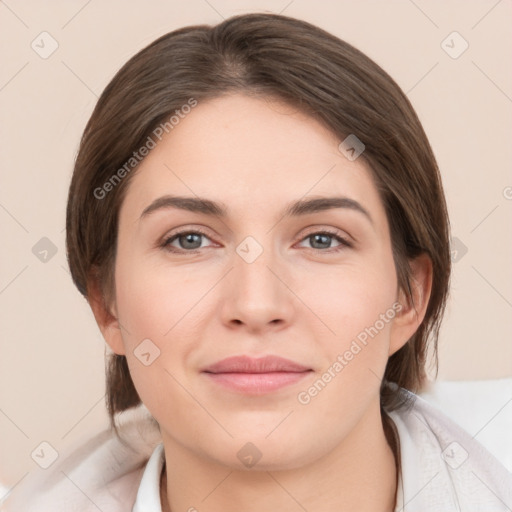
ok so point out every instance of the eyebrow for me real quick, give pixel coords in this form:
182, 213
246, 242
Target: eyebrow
219, 210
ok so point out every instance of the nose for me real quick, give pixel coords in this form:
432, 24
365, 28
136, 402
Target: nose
256, 292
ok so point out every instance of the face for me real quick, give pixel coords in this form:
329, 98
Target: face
251, 320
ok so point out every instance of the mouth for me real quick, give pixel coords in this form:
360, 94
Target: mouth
256, 376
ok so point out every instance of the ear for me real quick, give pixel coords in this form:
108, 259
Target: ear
105, 315
410, 316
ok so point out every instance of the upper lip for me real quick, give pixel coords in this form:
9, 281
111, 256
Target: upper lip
247, 364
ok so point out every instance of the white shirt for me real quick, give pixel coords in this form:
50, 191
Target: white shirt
443, 470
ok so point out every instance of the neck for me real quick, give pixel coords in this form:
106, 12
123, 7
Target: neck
358, 474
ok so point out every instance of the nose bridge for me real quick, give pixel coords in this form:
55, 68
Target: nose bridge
253, 260
257, 294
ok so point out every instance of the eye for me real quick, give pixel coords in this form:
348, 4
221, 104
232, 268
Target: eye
322, 240
189, 241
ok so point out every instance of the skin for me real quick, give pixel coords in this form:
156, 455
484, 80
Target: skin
300, 299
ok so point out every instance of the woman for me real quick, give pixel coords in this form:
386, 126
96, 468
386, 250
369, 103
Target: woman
257, 220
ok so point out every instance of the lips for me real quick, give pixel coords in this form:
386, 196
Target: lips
257, 376
246, 364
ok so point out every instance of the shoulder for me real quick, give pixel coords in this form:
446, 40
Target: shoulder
103, 473
443, 466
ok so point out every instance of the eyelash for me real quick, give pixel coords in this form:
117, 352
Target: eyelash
344, 243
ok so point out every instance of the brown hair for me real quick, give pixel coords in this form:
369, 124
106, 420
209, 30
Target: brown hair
264, 55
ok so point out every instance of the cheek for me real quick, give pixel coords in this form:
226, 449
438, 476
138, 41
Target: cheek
359, 306
353, 299
152, 301
160, 308
154, 308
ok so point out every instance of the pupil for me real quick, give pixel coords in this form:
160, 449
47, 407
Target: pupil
320, 237
189, 238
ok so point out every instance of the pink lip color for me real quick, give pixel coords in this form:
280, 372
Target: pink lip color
256, 376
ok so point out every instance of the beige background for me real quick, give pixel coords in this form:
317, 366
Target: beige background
51, 364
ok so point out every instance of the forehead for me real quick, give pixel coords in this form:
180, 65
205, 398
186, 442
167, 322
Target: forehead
251, 154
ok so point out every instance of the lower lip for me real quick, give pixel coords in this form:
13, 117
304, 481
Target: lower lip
257, 383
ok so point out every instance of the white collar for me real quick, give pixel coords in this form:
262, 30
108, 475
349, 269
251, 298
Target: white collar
148, 496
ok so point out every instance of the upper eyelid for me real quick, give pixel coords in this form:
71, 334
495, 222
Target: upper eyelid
185, 231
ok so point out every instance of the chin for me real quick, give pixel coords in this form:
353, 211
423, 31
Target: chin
256, 450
